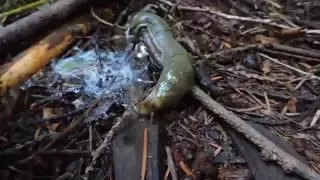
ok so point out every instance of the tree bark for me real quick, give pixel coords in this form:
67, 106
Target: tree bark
29, 26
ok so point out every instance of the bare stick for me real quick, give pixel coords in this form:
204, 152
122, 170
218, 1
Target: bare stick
315, 118
289, 54
100, 19
171, 165
235, 50
294, 50
107, 140
312, 31
267, 101
104, 145
145, 154
270, 150
289, 67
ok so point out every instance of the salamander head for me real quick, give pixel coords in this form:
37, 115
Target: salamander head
143, 19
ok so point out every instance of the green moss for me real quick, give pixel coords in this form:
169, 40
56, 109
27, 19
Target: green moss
7, 5
14, 7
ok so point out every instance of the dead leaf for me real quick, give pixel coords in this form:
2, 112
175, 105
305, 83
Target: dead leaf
291, 32
305, 65
227, 45
227, 42
215, 77
53, 112
265, 40
292, 105
186, 169
266, 67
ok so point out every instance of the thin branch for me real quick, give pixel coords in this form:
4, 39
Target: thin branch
235, 50
294, 50
289, 67
100, 19
171, 165
269, 149
145, 154
106, 143
315, 118
104, 21
267, 101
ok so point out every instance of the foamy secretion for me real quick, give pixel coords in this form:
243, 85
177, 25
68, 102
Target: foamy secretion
100, 71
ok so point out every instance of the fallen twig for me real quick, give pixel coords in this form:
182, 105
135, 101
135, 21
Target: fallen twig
171, 165
100, 19
103, 21
108, 137
289, 54
166, 174
145, 154
270, 150
267, 101
234, 50
315, 118
97, 153
289, 67
294, 50
218, 148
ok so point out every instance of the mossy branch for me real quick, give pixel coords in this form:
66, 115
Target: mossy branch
23, 8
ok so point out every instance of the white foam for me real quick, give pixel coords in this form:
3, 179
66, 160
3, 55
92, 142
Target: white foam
113, 72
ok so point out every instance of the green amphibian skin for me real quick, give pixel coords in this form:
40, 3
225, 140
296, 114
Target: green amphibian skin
177, 76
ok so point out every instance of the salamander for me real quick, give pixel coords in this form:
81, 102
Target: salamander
177, 75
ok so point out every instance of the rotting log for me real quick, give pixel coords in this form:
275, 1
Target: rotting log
30, 25
128, 146
38, 56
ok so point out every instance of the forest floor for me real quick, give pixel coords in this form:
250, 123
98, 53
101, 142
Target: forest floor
259, 59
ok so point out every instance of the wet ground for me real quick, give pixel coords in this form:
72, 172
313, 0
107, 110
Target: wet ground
270, 86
